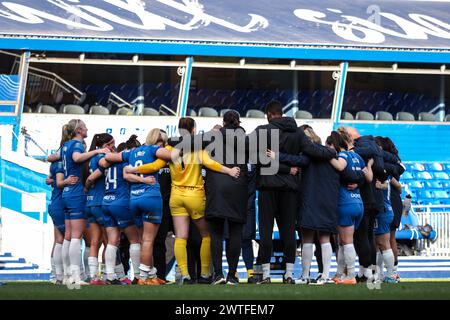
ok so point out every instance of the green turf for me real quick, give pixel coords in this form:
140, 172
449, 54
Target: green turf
410, 290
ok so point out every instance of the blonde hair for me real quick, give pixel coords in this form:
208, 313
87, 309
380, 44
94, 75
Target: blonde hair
69, 130
309, 132
155, 136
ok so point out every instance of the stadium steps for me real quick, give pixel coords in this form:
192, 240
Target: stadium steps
15, 269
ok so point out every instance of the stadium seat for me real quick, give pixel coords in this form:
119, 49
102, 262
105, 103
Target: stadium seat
364, 115
223, 111
415, 184
124, 112
441, 175
440, 194
383, 116
447, 118
43, 108
415, 167
433, 184
404, 116
426, 116
191, 113
423, 175
425, 194
347, 116
407, 176
73, 109
301, 114
253, 113
150, 112
99, 110
207, 112
435, 166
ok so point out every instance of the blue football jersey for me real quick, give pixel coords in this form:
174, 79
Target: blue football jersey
56, 167
117, 189
97, 191
71, 168
355, 163
139, 156
387, 196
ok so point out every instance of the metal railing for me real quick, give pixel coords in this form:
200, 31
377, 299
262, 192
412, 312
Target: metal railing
438, 216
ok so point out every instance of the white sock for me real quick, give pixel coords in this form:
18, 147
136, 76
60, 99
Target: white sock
135, 256
110, 261
53, 271
75, 258
350, 257
120, 271
327, 252
93, 267
395, 268
289, 271
58, 261
340, 262
307, 255
143, 271
389, 260
66, 257
380, 264
368, 272
87, 251
266, 270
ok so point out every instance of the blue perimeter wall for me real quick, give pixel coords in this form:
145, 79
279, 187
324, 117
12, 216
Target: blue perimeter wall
415, 142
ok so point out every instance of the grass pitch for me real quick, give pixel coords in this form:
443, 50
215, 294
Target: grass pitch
406, 290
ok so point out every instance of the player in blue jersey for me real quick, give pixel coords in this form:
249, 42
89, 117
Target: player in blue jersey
95, 189
117, 215
382, 230
145, 202
56, 211
72, 156
350, 205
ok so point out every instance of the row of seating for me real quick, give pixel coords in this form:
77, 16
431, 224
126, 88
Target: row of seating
428, 183
386, 116
425, 175
95, 109
252, 113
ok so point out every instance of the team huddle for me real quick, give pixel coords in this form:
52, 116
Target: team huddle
343, 196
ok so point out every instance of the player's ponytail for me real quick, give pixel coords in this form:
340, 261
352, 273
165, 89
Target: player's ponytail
99, 140
65, 135
132, 142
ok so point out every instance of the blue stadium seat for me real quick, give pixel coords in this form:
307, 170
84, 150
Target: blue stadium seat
407, 175
415, 167
433, 184
441, 175
415, 184
423, 175
425, 194
440, 194
434, 166
447, 167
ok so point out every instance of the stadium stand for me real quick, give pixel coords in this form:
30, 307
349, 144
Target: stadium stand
428, 183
